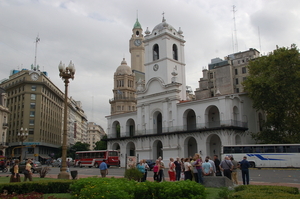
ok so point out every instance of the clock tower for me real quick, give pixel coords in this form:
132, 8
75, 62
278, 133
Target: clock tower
137, 49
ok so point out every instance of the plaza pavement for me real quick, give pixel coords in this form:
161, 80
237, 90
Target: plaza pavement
167, 179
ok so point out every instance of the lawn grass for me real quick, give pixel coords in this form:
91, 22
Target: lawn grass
212, 193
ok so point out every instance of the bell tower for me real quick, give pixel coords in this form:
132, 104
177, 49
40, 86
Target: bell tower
137, 49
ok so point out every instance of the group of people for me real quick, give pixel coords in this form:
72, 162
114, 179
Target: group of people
15, 175
195, 168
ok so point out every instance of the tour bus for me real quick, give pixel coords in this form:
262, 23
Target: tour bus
265, 155
94, 158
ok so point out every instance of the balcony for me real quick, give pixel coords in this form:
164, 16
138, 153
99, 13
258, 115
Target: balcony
199, 127
121, 98
5, 126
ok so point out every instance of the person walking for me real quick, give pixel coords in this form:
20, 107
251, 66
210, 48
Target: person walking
15, 176
198, 166
226, 166
103, 169
244, 165
234, 171
27, 172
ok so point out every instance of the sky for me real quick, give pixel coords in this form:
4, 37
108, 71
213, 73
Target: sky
95, 35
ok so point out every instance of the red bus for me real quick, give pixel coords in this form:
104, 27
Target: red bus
94, 158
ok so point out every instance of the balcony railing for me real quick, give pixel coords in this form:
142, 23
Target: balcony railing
5, 125
122, 98
184, 128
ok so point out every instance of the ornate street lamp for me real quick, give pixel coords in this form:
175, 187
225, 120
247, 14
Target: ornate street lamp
22, 136
65, 74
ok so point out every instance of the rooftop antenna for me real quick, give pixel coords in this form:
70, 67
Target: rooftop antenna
235, 32
232, 43
163, 14
37, 39
259, 39
93, 108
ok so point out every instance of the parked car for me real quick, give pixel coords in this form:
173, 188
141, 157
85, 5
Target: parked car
56, 163
36, 166
150, 163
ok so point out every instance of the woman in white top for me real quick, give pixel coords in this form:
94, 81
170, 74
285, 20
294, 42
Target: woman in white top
187, 169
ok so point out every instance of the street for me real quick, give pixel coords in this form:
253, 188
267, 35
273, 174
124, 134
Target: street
257, 175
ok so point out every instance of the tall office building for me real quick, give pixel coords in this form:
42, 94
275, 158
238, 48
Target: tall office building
4, 113
37, 105
95, 134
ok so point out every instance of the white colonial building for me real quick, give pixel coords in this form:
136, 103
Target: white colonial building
166, 122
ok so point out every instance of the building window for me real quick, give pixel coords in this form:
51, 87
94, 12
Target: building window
237, 90
155, 52
32, 105
244, 70
30, 131
32, 113
236, 71
31, 122
211, 75
175, 52
33, 88
237, 81
33, 96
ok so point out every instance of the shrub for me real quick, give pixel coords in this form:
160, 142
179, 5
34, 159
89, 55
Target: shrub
225, 193
133, 174
130, 189
44, 171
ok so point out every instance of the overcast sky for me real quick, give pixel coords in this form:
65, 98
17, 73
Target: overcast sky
95, 35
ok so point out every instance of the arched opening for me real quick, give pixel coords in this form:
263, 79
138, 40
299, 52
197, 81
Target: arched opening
213, 117
116, 130
235, 116
157, 149
175, 52
155, 52
130, 149
191, 120
115, 146
157, 122
190, 147
137, 33
130, 128
213, 145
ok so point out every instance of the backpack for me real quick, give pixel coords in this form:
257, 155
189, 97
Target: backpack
12, 170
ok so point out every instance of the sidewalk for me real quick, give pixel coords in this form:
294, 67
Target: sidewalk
167, 179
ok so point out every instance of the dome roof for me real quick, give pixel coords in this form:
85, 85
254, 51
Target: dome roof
162, 26
137, 25
123, 69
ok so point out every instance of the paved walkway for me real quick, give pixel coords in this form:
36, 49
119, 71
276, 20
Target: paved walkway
151, 179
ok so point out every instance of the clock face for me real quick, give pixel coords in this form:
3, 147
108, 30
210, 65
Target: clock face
137, 42
34, 76
155, 67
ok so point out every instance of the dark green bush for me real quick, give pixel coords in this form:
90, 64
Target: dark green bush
133, 174
129, 189
53, 186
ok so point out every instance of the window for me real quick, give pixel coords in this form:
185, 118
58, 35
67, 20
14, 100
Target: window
237, 81
155, 52
211, 75
236, 71
244, 70
31, 122
31, 131
32, 105
237, 90
33, 96
32, 113
33, 88
175, 52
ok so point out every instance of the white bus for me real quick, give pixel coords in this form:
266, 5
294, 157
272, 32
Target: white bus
265, 155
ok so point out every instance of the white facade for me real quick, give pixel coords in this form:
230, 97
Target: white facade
166, 123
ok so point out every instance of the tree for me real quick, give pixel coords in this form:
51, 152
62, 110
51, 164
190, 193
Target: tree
102, 144
274, 87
